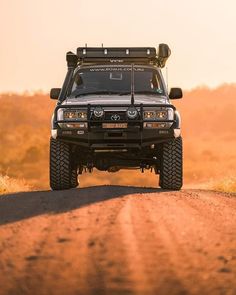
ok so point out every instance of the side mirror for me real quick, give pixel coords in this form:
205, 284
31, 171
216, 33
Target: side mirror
175, 93
54, 93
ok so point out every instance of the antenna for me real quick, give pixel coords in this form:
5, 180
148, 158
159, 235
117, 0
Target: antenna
132, 84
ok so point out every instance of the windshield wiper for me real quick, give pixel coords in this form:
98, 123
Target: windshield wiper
125, 93
139, 92
98, 92
146, 92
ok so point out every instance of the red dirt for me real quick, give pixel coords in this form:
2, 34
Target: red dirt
118, 240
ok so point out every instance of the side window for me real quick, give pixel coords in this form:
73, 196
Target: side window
78, 82
155, 83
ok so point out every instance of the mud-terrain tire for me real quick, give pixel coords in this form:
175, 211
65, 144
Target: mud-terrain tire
74, 178
63, 174
171, 172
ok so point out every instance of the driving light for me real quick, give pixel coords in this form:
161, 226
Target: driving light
132, 113
98, 112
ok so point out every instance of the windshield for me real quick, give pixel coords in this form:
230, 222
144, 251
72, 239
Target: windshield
116, 80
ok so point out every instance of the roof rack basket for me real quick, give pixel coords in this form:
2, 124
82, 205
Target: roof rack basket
95, 55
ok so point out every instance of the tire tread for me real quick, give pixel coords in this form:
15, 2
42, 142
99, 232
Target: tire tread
62, 174
171, 174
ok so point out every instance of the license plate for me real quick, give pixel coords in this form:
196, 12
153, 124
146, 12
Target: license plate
114, 125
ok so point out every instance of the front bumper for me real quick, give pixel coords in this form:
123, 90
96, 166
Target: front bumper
116, 139
96, 137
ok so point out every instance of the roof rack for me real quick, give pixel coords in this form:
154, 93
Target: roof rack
116, 54
108, 55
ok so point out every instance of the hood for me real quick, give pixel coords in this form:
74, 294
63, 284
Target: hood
116, 99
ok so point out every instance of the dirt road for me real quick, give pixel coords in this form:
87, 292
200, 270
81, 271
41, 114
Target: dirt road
118, 240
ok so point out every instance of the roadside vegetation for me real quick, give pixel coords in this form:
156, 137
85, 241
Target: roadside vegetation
227, 185
10, 185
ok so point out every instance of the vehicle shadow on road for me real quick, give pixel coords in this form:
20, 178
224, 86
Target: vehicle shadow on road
19, 206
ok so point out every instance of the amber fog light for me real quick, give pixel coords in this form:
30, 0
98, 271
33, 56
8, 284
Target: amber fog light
75, 125
158, 125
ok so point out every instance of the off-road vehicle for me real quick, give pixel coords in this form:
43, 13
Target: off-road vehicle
114, 112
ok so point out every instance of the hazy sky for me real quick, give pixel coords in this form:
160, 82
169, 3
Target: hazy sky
36, 34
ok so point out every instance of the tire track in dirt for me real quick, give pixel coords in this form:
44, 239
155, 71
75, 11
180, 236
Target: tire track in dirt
118, 240
151, 272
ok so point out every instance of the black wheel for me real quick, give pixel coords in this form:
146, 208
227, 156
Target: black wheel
171, 170
63, 173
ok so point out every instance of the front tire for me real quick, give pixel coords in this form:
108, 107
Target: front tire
171, 172
63, 173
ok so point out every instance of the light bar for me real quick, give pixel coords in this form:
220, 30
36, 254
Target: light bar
116, 52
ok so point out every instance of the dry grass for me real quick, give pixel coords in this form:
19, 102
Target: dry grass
10, 185
227, 185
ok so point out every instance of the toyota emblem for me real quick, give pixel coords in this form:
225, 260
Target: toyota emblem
115, 117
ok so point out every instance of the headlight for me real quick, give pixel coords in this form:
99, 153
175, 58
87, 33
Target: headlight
162, 115
98, 112
132, 113
74, 115
166, 114
149, 115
